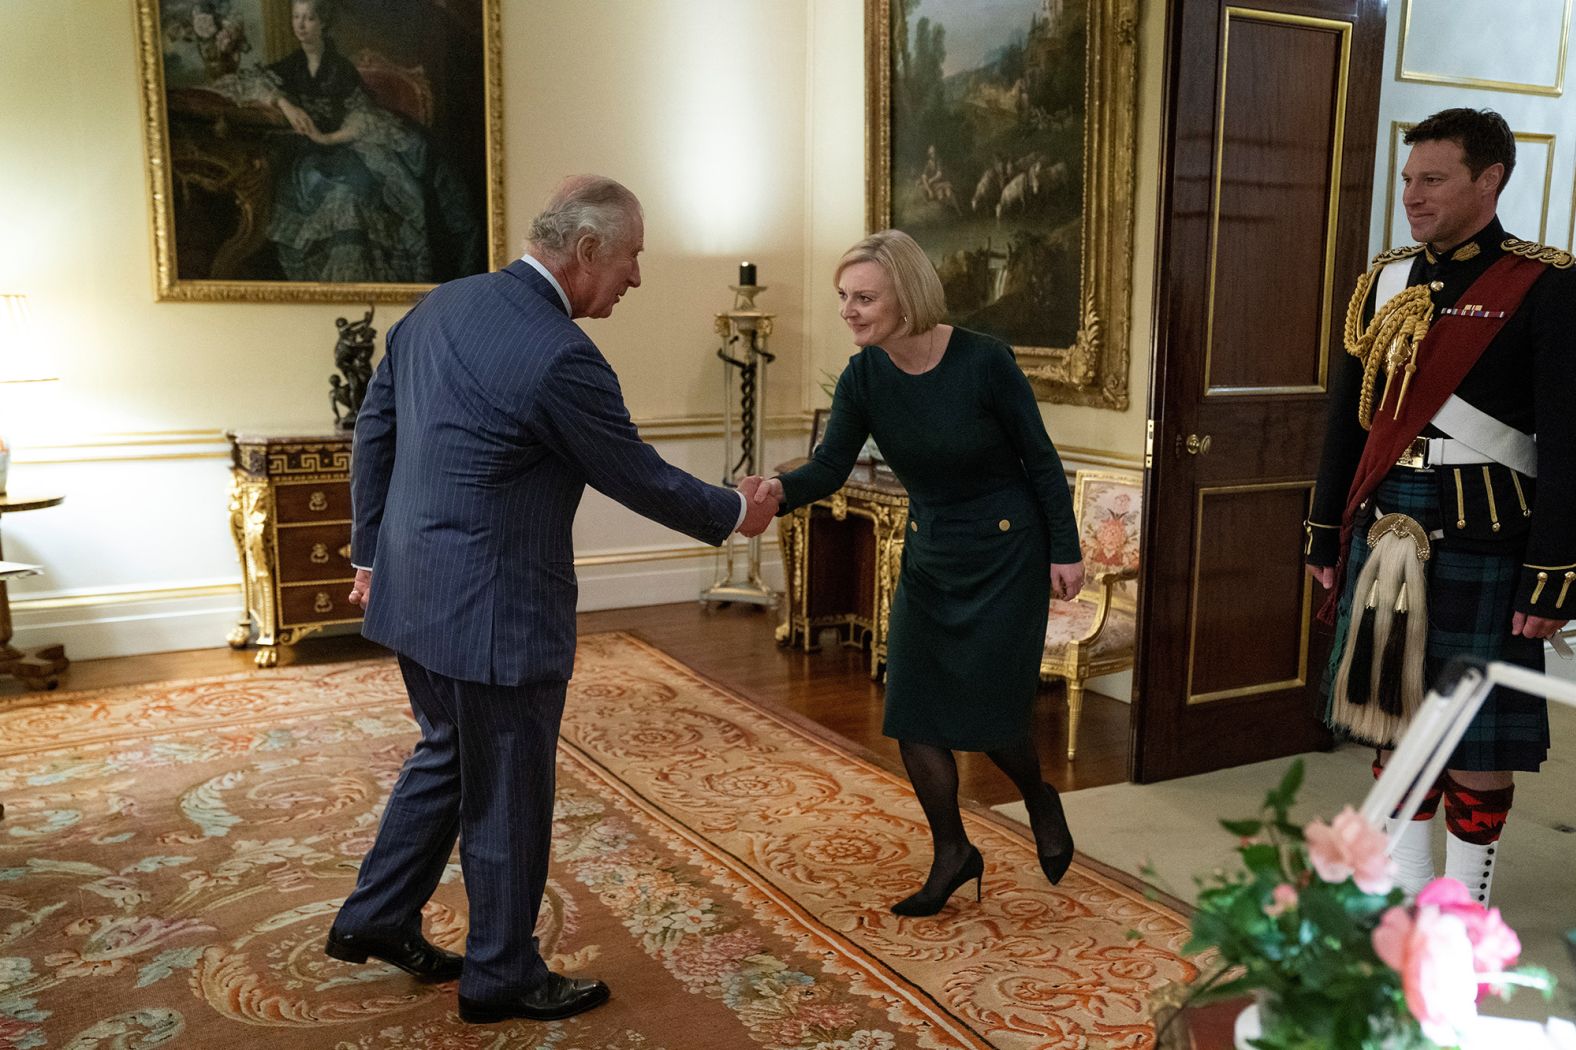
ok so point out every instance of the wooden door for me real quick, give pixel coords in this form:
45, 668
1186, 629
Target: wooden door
1266, 176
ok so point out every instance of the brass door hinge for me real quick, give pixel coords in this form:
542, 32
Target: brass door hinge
1149, 444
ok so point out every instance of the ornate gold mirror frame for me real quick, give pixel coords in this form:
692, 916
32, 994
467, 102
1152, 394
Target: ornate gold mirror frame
1094, 369
227, 163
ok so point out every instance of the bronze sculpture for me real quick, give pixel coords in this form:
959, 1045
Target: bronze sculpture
353, 358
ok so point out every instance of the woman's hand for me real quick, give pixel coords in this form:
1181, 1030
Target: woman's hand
297, 117
770, 491
1067, 579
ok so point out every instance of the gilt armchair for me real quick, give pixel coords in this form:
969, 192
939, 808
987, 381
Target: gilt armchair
1092, 633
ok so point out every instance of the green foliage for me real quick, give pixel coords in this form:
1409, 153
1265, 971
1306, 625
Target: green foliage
1312, 964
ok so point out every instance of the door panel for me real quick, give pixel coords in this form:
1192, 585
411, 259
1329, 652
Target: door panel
1276, 153
1236, 596
1266, 179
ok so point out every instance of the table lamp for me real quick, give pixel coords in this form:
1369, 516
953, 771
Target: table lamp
18, 362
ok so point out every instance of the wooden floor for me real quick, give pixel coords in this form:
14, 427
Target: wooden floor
734, 647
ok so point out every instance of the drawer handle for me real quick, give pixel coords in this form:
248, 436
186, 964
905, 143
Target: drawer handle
319, 554
318, 501
323, 603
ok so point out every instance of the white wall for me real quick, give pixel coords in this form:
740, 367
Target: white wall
698, 105
740, 125
1510, 59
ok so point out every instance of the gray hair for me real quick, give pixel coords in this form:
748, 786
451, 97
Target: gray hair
585, 205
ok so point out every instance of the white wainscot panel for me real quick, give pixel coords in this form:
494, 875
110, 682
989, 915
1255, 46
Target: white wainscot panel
137, 559
1508, 45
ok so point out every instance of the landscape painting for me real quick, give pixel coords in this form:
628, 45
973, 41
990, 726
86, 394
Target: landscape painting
982, 150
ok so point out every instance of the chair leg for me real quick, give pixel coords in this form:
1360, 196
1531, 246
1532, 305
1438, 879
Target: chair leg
1075, 695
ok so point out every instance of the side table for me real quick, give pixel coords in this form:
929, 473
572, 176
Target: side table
290, 518
841, 557
36, 667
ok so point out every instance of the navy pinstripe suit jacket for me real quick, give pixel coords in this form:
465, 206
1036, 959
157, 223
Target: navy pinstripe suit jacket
489, 414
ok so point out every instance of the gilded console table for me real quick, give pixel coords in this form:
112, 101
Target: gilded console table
290, 516
841, 557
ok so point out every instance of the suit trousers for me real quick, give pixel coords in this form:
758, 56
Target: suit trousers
484, 771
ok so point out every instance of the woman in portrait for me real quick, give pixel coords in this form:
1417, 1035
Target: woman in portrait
990, 537
364, 197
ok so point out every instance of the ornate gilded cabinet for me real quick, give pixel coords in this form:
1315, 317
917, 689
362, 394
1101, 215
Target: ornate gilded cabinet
290, 515
841, 557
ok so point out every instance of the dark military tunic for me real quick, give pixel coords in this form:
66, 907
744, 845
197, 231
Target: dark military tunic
1509, 542
988, 512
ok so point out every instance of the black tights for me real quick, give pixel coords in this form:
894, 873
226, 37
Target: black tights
934, 773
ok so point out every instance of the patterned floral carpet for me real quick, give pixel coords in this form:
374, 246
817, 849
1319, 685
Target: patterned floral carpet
172, 855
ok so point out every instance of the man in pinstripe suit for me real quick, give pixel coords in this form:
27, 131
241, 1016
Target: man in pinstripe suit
489, 414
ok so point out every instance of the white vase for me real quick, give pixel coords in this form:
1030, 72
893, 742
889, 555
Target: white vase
1247, 1027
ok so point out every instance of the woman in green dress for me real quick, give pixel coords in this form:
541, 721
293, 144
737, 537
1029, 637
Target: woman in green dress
991, 536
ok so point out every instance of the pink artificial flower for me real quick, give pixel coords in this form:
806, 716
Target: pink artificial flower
1350, 847
1495, 945
1283, 899
1433, 955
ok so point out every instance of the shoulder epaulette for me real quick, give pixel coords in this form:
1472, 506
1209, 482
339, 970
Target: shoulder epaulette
1560, 260
1396, 253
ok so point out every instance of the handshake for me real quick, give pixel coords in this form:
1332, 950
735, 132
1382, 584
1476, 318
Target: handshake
762, 498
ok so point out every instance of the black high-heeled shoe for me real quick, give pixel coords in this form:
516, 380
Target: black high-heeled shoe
922, 903
1055, 865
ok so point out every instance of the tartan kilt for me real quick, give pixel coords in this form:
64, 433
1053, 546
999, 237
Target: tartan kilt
1471, 597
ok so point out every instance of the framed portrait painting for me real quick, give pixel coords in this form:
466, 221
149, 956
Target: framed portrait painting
321, 150
1001, 136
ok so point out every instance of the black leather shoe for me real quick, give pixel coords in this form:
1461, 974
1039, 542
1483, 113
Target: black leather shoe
922, 903
554, 999
1054, 862
412, 953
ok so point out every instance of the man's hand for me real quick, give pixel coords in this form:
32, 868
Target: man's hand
1535, 626
1067, 579
758, 511
361, 589
1325, 574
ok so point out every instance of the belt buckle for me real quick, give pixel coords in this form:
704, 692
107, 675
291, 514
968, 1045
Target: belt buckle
1416, 454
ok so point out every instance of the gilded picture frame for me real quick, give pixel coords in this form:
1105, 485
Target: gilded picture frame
355, 155
1013, 178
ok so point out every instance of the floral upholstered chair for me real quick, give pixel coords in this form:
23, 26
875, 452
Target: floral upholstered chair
1091, 634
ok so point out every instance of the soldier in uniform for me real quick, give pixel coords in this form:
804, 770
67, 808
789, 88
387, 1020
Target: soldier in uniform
1452, 437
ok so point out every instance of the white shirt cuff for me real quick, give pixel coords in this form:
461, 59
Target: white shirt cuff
744, 508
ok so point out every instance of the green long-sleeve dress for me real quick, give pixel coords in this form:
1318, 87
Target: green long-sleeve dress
988, 512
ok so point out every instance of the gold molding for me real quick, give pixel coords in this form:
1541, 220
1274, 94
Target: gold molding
1094, 370
1332, 204
100, 448
1102, 456
1424, 77
1570, 236
27, 459
1192, 627
135, 594
169, 287
1400, 127
709, 425
637, 555
127, 596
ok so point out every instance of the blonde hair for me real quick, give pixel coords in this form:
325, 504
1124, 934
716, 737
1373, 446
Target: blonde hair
919, 293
